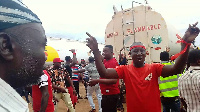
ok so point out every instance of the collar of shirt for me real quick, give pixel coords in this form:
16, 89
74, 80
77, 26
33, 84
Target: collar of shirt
8, 95
194, 67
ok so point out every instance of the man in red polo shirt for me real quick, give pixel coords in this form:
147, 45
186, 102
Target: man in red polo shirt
109, 87
142, 90
42, 94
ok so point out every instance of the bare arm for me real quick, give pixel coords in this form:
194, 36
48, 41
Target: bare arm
190, 35
74, 61
102, 81
44, 99
106, 81
103, 72
71, 83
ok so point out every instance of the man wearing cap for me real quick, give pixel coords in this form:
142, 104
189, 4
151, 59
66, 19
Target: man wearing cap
141, 79
22, 46
58, 79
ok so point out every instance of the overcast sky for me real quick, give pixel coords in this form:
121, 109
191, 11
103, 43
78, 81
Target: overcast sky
72, 18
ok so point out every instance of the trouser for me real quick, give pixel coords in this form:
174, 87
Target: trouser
66, 98
76, 85
171, 104
86, 79
109, 103
90, 90
72, 96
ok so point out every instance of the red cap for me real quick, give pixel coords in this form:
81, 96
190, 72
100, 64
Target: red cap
57, 60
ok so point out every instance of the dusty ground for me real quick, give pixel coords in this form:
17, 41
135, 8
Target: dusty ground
82, 106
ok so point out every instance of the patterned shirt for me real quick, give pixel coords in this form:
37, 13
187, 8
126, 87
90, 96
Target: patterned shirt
59, 77
189, 88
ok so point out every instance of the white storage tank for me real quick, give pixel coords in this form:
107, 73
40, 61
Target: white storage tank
141, 24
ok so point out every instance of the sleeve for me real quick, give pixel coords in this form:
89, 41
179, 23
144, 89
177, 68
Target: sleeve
43, 81
158, 68
120, 71
86, 67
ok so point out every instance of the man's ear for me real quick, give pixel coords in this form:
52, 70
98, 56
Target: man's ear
6, 50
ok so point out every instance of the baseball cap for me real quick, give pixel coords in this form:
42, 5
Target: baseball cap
57, 60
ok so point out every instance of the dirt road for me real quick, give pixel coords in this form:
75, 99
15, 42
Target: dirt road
82, 106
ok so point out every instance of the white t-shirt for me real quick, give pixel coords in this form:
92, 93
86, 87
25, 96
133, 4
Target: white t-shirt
10, 100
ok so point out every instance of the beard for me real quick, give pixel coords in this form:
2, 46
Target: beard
29, 72
27, 75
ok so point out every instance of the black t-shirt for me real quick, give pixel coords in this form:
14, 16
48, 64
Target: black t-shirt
69, 70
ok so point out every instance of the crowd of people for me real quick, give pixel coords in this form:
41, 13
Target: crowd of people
172, 84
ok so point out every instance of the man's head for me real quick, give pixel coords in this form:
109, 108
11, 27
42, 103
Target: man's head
91, 59
138, 53
82, 61
194, 57
164, 56
57, 63
108, 52
68, 59
22, 44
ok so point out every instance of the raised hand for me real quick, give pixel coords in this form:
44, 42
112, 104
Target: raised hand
72, 50
191, 33
91, 42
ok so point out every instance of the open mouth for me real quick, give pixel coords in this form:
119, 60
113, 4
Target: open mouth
139, 58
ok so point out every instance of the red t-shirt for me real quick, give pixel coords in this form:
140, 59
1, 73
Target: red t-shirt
110, 89
37, 95
142, 90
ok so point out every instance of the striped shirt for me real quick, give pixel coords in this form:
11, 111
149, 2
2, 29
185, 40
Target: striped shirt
189, 88
10, 100
75, 75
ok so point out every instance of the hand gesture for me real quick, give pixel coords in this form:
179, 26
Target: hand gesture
191, 33
91, 42
72, 50
92, 82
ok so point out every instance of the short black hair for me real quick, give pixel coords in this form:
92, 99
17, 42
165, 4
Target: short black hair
193, 56
110, 47
91, 59
164, 56
67, 58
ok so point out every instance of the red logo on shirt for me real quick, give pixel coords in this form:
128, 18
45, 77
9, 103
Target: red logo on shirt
149, 77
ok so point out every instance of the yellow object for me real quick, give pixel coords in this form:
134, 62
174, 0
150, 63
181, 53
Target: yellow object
169, 85
52, 53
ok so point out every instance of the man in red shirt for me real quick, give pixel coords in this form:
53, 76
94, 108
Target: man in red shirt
142, 90
42, 94
109, 87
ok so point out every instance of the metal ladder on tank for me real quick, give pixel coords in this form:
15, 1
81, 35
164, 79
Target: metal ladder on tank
127, 37
132, 33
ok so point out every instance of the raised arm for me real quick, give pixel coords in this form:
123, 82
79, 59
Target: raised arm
190, 35
103, 72
74, 60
